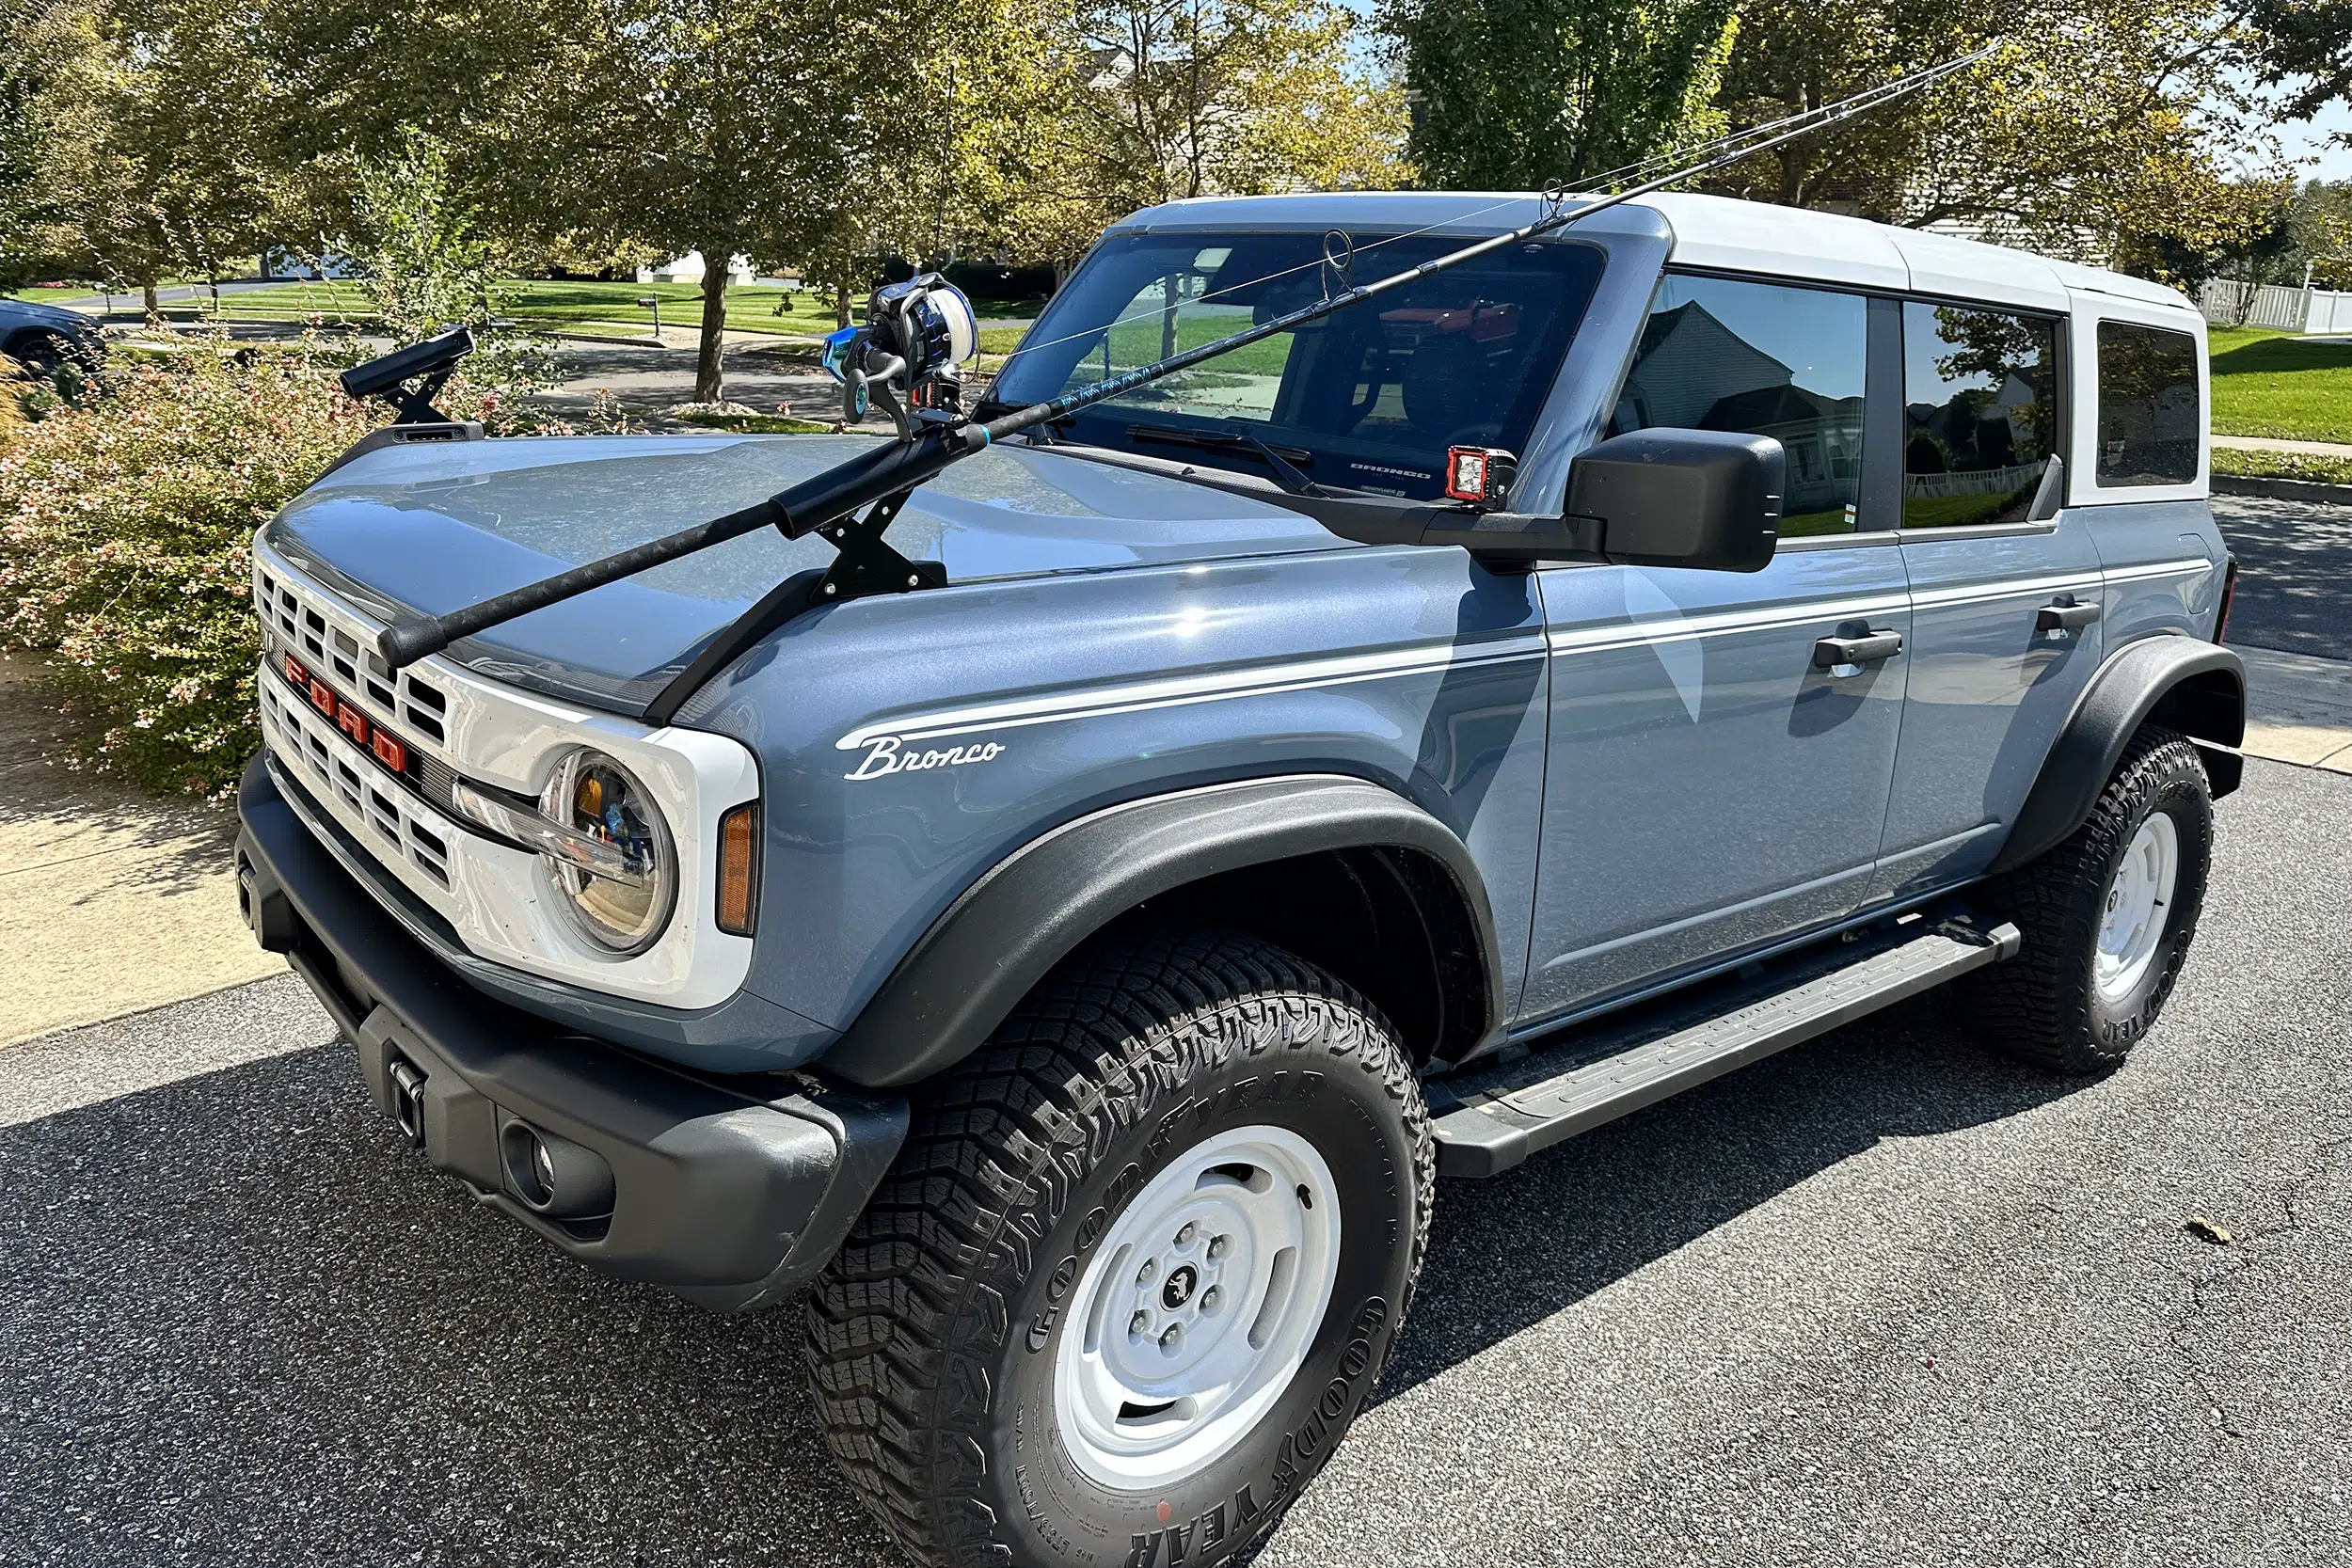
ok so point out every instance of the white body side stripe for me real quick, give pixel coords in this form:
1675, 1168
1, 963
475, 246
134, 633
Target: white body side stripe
1433, 657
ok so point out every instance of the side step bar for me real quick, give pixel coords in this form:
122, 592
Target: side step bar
1489, 1118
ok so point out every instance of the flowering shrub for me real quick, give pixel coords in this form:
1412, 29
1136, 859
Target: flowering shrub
124, 534
126, 520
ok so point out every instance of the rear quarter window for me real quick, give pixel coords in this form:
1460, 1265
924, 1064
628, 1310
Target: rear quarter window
2150, 416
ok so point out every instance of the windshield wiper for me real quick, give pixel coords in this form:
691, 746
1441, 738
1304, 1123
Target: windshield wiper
1284, 461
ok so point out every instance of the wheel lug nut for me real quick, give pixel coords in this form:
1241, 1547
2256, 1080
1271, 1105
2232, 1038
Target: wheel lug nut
1208, 1299
1183, 1237
1140, 1323
1145, 1275
1220, 1245
1167, 1340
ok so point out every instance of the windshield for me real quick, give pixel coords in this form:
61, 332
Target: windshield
1367, 399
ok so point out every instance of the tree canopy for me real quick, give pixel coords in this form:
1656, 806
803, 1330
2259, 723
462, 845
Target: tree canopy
1519, 94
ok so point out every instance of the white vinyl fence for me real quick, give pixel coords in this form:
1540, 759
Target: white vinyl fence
2225, 303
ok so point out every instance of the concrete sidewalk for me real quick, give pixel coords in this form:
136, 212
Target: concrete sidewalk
2300, 449
2298, 709
112, 901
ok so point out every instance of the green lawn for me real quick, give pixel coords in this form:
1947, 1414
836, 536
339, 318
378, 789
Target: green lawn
609, 307
2274, 384
2281, 464
750, 307
43, 294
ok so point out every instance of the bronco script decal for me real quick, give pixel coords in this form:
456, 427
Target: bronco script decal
885, 755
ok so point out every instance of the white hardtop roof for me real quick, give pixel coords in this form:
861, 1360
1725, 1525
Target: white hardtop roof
1713, 232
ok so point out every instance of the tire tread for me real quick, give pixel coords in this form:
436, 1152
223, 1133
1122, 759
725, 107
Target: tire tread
2036, 1007
902, 1325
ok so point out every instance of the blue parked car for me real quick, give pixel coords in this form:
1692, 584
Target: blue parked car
1068, 973
40, 338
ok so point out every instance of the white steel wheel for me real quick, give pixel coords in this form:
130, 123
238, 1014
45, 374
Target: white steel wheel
2132, 921
1198, 1308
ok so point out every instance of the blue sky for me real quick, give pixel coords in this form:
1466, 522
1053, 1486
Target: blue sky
2335, 162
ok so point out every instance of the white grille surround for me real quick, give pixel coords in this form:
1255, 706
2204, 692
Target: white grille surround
498, 898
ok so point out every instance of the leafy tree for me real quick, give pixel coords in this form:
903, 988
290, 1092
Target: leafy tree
697, 125
31, 43
149, 158
2306, 47
1117, 104
2104, 129
1517, 94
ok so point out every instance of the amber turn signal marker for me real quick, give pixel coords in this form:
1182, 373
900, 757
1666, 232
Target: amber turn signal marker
738, 868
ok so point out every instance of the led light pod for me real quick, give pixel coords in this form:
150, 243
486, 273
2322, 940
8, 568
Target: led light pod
1479, 475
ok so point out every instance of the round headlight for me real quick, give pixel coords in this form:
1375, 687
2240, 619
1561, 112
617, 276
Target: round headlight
622, 911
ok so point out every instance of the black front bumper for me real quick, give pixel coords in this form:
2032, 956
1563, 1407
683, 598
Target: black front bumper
725, 1192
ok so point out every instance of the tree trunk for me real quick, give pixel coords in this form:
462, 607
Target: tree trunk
709, 380
149, 303
841, 301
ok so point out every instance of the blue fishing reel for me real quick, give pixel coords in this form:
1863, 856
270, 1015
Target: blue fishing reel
909, 354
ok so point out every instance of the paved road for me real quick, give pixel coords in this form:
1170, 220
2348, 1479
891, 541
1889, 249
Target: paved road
759, 374
2295, 574
125, 303
1881, 1299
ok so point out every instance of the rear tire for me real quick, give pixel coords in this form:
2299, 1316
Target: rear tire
2107, 916
41, 353
1144, 1139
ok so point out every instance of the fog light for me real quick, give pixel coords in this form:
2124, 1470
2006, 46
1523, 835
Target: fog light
554, 1176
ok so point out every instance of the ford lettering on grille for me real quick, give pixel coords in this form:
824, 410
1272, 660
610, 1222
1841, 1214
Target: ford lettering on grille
387, 749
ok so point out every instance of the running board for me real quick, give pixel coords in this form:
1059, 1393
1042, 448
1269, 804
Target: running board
1490, 1117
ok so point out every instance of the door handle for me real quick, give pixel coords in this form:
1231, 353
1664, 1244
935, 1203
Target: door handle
1846, 656
2064, 614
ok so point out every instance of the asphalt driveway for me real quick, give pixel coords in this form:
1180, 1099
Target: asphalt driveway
2295, 574
1881, 1299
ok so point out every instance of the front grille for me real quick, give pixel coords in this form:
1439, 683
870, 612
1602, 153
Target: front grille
399, 699
402, 829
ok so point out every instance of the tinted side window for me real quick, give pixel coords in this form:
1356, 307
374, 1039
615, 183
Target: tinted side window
1980, 413
1763, 360
2148, 415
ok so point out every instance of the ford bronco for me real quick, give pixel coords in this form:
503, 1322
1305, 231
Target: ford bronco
1066, 976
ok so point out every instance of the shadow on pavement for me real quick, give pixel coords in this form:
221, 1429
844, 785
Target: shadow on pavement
1509, 1252
2295, 574
52, 810
241, 1319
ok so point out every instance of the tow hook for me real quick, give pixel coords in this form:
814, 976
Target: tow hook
408, 1099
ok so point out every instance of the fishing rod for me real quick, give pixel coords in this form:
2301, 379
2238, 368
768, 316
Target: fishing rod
907, 360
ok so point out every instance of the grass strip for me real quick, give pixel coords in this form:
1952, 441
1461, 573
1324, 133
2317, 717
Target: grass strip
2281, 464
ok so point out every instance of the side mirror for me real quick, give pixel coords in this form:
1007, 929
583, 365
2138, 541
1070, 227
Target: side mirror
1704, 499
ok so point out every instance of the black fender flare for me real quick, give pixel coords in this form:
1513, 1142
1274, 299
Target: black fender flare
2194, 687
1035, 906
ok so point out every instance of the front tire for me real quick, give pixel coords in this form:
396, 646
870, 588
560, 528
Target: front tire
1136, 1268
2107, 916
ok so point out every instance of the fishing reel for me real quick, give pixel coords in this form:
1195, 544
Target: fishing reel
908, 358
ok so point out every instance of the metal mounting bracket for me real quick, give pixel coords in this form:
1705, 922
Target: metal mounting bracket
867, 564
864, 566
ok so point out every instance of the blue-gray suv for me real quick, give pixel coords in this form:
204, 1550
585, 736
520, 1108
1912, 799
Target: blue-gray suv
1062, 958
41, 338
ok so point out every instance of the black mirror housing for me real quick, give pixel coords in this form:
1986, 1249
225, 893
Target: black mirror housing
1709, 500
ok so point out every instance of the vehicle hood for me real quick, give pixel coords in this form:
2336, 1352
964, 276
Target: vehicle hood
33, 312
430, 528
